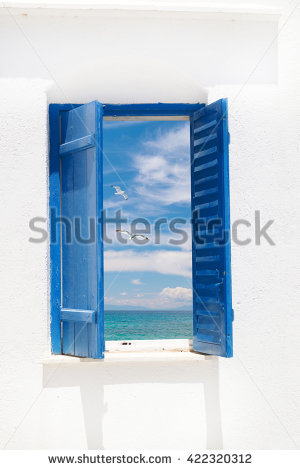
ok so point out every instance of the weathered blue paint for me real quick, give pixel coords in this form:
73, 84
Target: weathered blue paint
212, 302
80, 265
151, 109
76, 315
141, 109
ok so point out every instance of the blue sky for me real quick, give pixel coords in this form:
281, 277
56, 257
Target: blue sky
149, 160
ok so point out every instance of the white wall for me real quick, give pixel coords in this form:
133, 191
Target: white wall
249, 401
134, 56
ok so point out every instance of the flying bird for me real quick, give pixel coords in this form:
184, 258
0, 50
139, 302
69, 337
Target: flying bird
133, 235
119, 191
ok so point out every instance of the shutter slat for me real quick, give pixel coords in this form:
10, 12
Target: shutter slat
203, 123
209, 131
204, 192
209, 323
203, 185
207, 248
211, 211
201, 174
199, 165
206, 159
208, 336
211, 198
206, 279
204, 139
210, 258
203, 180
207, 308
207, 290
200, 154
207, 264
205, 219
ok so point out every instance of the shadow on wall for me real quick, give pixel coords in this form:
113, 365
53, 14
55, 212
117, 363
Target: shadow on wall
93, 376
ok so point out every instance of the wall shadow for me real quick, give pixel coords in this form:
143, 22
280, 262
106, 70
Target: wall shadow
92, 376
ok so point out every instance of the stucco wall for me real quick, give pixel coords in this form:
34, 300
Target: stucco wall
249, 401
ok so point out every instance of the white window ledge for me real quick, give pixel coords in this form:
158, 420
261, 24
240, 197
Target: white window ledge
142, 350
149, 345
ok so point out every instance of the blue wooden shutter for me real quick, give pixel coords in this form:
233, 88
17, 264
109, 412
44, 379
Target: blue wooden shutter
81, 252
212, 303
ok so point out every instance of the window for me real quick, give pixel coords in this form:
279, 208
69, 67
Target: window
76, 247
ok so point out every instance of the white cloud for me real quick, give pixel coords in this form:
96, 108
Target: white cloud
164, 174
123, 293
137, 282
161, 261
173, 140
163, 179
177, 293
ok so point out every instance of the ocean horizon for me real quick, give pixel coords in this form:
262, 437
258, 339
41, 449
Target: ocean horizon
147, 324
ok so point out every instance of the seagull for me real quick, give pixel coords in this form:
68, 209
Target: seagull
133, 235
119, 191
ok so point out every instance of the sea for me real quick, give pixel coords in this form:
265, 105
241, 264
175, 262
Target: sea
147, 324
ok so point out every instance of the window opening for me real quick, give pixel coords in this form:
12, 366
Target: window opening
148, 264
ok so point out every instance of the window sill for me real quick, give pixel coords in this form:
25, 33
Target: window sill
140, 350
178, 345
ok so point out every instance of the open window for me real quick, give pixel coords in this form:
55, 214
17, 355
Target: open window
76, 200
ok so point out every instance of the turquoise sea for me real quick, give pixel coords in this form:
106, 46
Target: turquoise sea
147, 324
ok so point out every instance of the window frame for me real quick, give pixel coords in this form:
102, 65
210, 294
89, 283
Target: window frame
110, 112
